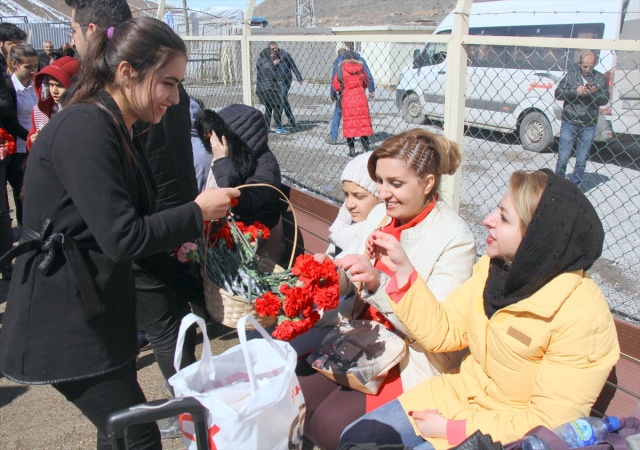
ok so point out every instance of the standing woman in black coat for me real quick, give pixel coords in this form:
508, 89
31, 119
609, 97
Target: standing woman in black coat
89, 198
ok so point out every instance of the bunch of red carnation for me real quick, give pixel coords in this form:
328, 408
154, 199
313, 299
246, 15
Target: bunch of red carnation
300, 301
7, 144
219, 233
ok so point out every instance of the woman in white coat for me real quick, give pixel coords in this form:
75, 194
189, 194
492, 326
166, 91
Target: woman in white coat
407, 169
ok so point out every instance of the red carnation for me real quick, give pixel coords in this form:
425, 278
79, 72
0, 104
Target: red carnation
268, 305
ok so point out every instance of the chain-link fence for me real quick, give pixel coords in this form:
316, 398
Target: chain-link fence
513, 123
512, 117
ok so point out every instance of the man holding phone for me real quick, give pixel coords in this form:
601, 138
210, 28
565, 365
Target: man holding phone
583, 90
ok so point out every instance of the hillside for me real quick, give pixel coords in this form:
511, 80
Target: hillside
345, 13
279, 13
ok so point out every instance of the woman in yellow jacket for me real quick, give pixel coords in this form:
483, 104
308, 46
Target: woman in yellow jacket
541, 338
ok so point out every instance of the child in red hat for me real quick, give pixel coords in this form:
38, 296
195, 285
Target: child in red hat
54, 78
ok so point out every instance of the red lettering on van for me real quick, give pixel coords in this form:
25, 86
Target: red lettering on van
536, 85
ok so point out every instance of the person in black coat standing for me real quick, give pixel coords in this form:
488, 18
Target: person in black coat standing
165, 287
269, 89
70, 316
287, 68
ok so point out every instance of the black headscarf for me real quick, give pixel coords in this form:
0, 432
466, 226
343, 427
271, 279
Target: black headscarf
565, 234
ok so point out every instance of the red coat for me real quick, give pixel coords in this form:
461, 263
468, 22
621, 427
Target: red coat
355, 107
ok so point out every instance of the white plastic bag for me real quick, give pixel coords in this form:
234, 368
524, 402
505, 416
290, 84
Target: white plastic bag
251, 391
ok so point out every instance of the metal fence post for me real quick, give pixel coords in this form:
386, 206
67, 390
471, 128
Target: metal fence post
245, 50
455, 95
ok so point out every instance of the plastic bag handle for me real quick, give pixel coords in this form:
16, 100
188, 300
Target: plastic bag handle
186, 322
242, 336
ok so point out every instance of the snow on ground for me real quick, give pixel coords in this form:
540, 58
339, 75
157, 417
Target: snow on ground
36, 12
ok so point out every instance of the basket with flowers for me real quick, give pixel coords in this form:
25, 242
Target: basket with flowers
238, 282
7, 144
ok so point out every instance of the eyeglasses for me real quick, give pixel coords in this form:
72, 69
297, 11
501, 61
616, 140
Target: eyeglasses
586, 67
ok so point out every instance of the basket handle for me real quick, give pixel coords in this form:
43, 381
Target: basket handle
295, 220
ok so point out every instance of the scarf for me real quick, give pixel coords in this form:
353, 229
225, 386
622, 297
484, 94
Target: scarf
343, 231
565, 234
395, 229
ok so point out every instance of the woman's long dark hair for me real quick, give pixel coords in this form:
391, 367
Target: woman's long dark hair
208, 122
146, 43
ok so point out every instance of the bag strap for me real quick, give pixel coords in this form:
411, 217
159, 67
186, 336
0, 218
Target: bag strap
242, 336
185, 324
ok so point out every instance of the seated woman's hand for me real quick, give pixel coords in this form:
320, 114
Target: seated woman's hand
430, 423
388, 250
214, 202
219, 147
359, 269
320, 257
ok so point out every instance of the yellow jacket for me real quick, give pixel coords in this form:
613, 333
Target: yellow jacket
540, 361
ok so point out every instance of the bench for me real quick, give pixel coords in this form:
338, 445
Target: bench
621, 393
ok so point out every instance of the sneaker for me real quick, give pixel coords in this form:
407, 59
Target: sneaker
280, 130
331, 141
169, 428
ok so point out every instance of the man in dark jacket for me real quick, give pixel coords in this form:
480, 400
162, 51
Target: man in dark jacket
286, 66
583, 90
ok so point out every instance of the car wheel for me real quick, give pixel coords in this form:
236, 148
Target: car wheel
412, 110
536, 134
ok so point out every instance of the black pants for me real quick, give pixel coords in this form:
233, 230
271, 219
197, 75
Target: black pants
6, 233
364, 140
100, 396
15, 176
159, 312
286, 107
272, 101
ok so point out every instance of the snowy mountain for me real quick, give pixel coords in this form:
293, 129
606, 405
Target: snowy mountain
17, 11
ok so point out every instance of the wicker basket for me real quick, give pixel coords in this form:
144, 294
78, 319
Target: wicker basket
226, 308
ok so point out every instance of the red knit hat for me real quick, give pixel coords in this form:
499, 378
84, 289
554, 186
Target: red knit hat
62, 70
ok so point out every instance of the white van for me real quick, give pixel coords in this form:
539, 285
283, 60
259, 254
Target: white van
511, 88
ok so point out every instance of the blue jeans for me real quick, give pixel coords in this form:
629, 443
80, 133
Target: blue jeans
335, 122
580, 137
388, 424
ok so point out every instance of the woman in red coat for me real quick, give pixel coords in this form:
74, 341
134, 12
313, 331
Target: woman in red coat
351, 81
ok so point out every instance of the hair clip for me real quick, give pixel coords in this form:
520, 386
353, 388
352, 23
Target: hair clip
110, 32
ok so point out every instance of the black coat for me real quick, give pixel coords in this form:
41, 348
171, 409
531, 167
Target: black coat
168, 147
287, 66
268, 79
80, 176
258, 203
9, 109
